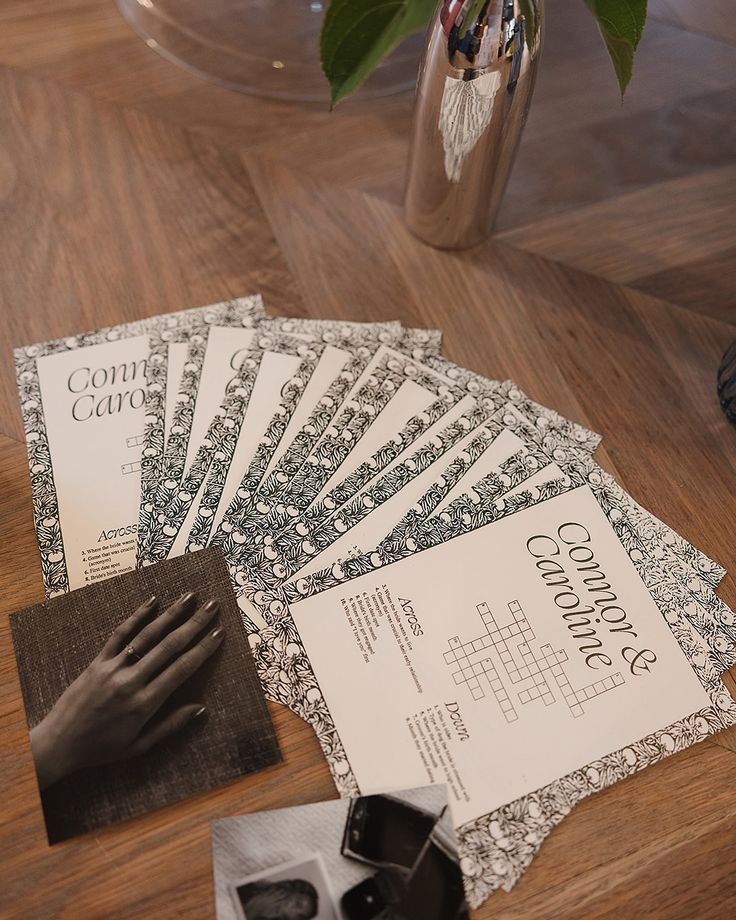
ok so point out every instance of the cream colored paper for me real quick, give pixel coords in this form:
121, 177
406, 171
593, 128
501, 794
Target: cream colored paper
430, 666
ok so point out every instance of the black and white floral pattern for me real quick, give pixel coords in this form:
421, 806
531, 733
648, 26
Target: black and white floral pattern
161, 447
328, 413
164, 508
45, 502
363, 348
163, 514
249, 520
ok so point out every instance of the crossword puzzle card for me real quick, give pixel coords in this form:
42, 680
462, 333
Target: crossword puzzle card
493, 648
525, 663
83, 400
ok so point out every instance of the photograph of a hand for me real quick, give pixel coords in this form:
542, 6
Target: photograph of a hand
111, 711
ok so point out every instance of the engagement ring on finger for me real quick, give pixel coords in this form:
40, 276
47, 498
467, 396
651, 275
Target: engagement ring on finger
131, 653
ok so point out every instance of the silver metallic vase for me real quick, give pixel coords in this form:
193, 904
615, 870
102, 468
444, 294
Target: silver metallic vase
475, 87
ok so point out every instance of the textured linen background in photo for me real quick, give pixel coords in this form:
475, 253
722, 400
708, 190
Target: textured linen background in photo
248, 844
54, 642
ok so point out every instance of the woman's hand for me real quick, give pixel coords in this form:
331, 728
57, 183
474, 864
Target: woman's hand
109, 712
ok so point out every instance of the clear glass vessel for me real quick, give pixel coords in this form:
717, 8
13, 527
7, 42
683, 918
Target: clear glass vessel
263, 47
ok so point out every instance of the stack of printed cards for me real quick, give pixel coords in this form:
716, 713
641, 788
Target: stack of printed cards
432, 569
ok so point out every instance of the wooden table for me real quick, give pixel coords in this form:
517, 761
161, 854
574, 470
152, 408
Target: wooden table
129, 187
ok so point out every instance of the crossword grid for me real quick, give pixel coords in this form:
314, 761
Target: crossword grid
473, 661
135, 465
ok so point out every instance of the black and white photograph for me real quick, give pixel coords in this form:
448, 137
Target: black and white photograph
389, 856
136, 699
298, 891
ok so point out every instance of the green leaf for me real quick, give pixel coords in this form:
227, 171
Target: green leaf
621, 23
472, 14
529, 12
358, 34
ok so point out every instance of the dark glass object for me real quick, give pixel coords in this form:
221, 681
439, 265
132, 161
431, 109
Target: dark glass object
727, 383
384, 831
376, 896
435, 888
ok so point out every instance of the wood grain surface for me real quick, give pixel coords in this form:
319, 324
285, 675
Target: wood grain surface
129, 187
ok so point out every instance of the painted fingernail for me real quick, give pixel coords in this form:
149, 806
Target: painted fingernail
218, 633
211, 606
199, 712
151, 601
186, 598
